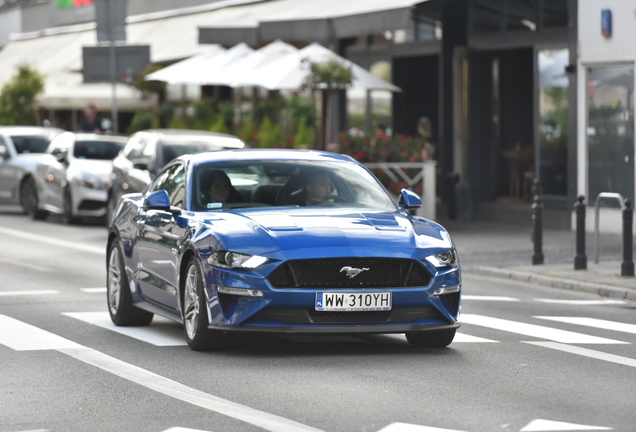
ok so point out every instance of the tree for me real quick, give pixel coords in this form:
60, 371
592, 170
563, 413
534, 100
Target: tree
18, 95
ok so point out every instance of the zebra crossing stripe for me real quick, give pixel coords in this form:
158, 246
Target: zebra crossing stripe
27, 293
593, 322
533, 330
586, 352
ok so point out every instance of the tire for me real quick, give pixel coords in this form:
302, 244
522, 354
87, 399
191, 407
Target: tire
431, 338
69, 218
29, 200
120, 304
195, 312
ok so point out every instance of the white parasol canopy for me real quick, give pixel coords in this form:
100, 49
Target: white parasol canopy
181, 72
290, 71
239, 73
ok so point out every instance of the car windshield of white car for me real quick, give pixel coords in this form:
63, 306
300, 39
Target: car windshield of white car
30, 144
102, 150
249, 184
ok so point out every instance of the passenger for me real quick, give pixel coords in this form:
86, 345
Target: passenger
316, 187
219, 189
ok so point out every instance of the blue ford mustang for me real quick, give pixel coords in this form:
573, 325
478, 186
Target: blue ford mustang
280, 241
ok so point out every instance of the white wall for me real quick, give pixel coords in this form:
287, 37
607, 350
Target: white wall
596, 49
10, 22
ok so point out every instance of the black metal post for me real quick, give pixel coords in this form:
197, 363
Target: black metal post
537, 225
627, 266
580, 260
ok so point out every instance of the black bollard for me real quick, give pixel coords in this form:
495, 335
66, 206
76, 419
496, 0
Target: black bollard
627, 266
580, 260
537, 227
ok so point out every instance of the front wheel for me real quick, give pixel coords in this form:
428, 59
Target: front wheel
431, 338
120, 304
195, 312
29, 200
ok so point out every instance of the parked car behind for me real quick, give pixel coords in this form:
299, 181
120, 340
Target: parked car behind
72, 177
20, 148
148, 151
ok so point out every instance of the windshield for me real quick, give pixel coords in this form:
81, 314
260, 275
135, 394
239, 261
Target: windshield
102, 150
30, 144
286, 183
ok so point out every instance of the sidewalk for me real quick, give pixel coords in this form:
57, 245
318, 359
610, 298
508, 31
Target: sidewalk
501, 250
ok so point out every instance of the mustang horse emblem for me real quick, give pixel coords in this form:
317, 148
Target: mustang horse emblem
352, 271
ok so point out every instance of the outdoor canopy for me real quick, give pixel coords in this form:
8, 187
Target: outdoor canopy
277, 66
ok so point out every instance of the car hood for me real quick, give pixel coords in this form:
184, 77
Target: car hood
261, 231
99, 168
26, 161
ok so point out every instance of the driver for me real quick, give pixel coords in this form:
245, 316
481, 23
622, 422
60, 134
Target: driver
316, 187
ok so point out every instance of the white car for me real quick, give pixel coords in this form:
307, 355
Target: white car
72, 177
20, 148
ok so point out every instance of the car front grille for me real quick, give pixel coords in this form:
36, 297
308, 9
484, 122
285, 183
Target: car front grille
350, 273
310, 316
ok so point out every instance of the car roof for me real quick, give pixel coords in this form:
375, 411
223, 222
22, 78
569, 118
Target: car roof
265, 155
185, 136
29, 130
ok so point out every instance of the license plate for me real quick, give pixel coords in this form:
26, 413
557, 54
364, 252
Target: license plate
348, 301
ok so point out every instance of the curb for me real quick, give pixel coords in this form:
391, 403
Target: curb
603, 290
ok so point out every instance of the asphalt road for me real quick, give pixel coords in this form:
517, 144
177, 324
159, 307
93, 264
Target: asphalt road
527, 358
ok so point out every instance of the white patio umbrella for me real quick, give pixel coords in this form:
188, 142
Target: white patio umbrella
183, 72
290, 71
239, 73
213, 72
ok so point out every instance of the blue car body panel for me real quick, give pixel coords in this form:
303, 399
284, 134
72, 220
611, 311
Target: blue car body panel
158, 244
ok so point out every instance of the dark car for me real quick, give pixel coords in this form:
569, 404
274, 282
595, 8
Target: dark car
148, 151
283, 241
20, 148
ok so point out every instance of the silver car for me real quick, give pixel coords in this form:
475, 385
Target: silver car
20, 148
72, 177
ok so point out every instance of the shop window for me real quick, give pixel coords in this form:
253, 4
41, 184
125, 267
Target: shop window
553, 121
610, 130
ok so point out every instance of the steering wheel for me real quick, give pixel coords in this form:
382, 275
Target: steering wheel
334, 198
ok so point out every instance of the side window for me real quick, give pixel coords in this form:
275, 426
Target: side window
173, 181
130, 147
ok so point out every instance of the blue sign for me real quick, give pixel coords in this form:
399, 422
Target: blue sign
606, 22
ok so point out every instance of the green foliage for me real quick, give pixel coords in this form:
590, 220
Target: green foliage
17, 99
204, 114
304, 137
269, 135
247, 131
219, 126
301, 108
177, 123
149, 87
142, 120
332, 74
269, 108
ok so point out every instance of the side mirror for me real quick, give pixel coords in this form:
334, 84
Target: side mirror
409, 200
61, 158
4, 152
160, 200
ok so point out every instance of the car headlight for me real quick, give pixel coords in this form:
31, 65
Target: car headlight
231, 260
446, 259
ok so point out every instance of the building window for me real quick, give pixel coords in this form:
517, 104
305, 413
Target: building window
610, 130
553, 121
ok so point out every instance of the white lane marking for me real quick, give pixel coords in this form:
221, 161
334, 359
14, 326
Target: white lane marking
22, 336
593, 322
180, 429
581, 302
541, 425
533, 330
26, 265
184, 393
158, 335
53, 241
464, 338
405, 427
27, 292
93, 290
586, 352
489, 298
